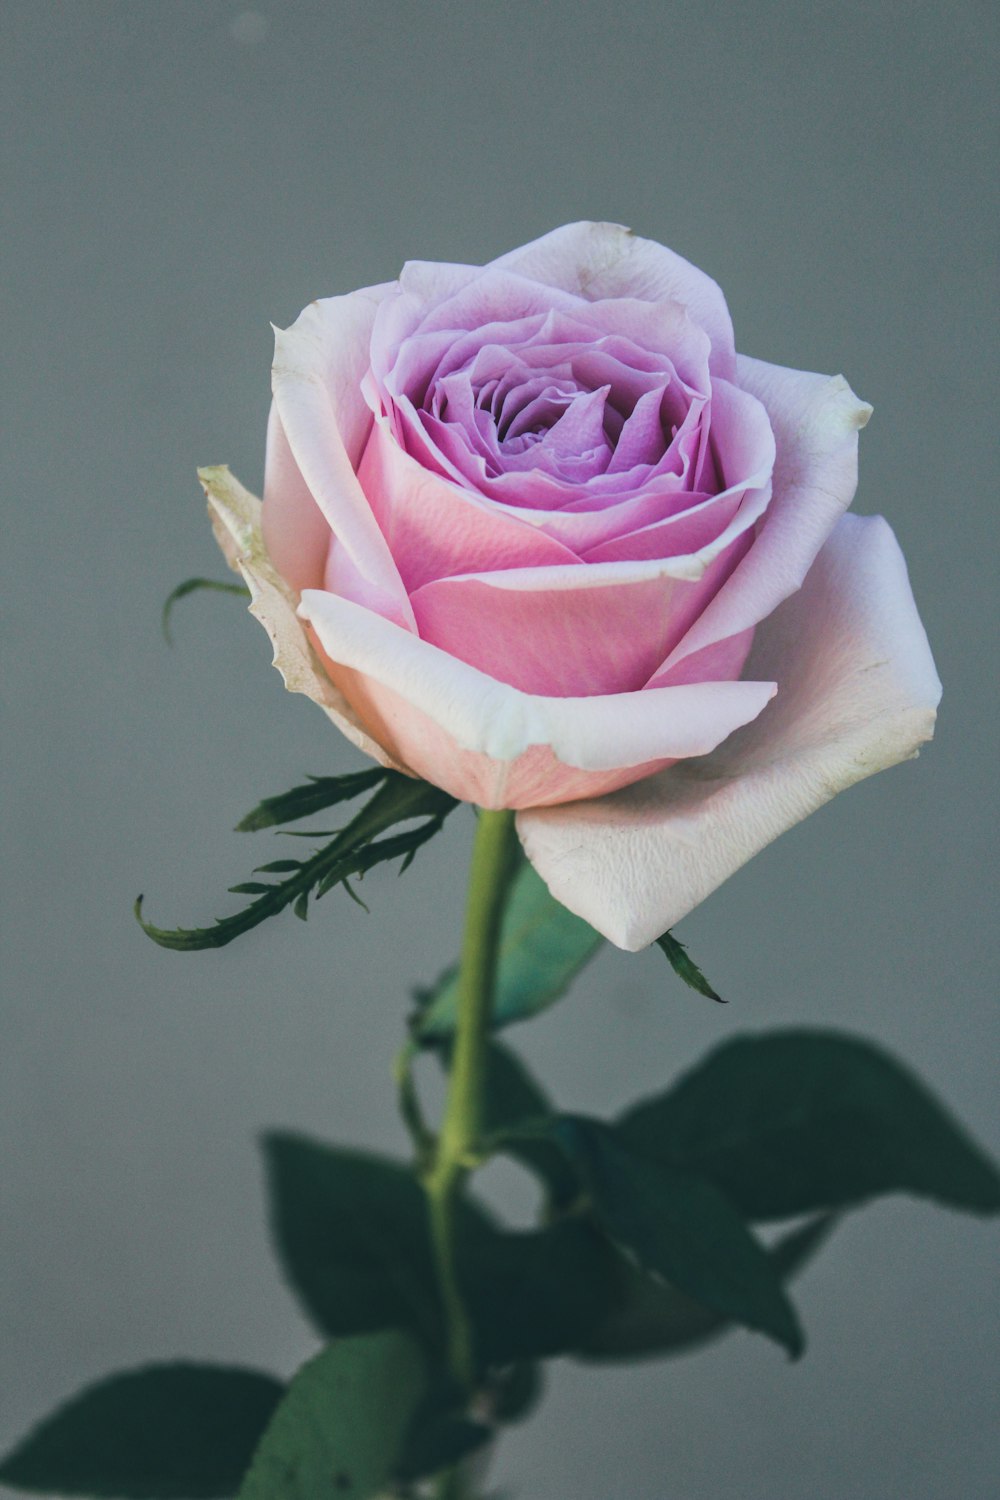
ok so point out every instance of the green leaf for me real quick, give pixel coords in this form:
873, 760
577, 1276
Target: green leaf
685, 967
191, 586
533, 1294
652, 1319
339, 1430
514, 1100
352, 1233
354, 851
681, 1228
517, 1392
165, 1432
542, 948
793, 1121
304, 801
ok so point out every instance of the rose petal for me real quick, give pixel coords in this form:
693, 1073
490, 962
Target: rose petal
430, 709
857, 693
318, 367
815, 420
236, 521
607, 260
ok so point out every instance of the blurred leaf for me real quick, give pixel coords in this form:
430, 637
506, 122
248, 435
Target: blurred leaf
517, 1392
305, 801
513, 1100
354, 851
792, 1121
352, 1233
685, 967
681, 1228
191, 586
339, 1430
542, 948
652, 1319
164, 1432
535, 1293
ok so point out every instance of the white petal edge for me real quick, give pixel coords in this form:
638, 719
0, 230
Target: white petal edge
857, 693
235, 516
488, 717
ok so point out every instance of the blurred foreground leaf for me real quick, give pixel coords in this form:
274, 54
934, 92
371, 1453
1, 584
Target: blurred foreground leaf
793, 1121
339, 1430
164, 1432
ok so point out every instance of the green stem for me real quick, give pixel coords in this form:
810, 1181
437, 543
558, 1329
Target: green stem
461, 1128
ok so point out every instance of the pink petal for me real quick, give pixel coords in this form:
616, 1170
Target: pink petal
489, 743
319, 364
857, 693
607, 260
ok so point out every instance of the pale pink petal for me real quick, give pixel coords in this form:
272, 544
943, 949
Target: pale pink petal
815, 420
318, 367
296, 532
857, 693
480, 739
607, 260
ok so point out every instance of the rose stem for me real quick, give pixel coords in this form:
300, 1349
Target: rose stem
461, 1127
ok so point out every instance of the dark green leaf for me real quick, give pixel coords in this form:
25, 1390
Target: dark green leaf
793, 1121
542, 947
685, 967
681, 1228
352, 1233
165, 1432
652, 1319
356, 849
338, 1432
517, 1392
533, 1294
191, 586
304, 801
514, 1100
440, 1435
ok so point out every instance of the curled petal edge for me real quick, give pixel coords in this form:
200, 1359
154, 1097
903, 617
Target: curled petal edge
858, 693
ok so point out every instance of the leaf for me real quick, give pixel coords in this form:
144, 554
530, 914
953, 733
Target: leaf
533, 1294
339, 1429
685, 967
164, 1432
542, 948
681, 1228
191, 586
355, 850
514, 1100
305, 801
652, 1319
352, 1233
797, 1120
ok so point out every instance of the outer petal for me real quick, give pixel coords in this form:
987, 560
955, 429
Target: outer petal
815, 420
319, 364
236, 521
857, 693
608, 260
486, 742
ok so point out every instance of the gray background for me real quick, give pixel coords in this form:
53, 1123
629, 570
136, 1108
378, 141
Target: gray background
182, 174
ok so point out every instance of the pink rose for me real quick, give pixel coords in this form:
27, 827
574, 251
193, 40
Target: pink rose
535, 532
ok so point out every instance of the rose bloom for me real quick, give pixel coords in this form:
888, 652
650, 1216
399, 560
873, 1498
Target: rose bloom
535, 532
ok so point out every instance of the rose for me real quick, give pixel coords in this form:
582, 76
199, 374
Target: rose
522, 525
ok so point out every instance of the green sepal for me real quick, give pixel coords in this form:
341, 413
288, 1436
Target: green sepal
651, 1319
162, 1432
320, 793
354, 851
340, 1428
794, 1121
543, 946
685, 967
192, 586
680, 1227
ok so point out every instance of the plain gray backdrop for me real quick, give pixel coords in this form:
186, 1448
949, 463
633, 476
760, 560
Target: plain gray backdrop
180, 175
